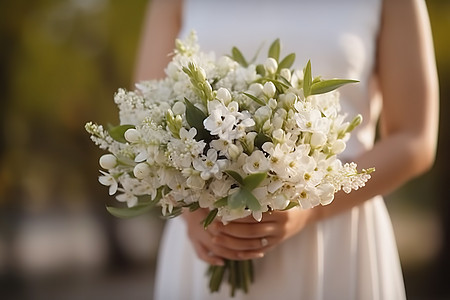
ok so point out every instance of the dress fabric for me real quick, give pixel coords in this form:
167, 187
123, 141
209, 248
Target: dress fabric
350, 256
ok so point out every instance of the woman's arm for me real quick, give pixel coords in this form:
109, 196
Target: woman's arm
161, 27
406, 72
407, 77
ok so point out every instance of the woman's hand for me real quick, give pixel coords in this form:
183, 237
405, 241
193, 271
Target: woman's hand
244, 238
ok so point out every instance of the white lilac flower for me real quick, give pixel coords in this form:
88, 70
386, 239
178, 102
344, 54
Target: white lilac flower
129, 198
109, 180
256, 163
193, 179
167, 203
209, 165
312, 121
181, 152
309, 197
220, 188
220, 121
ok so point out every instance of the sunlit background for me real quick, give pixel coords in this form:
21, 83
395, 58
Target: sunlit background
60, 63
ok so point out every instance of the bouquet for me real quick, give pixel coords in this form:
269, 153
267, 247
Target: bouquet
229, 135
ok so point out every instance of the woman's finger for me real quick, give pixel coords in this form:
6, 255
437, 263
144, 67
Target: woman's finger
246, 230
238, 244
207, 255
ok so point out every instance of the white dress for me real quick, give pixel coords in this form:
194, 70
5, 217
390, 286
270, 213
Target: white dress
350, 256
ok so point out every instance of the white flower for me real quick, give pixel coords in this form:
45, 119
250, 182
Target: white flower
286, 74
256, 89
312, 121
132, 135
108, 180
209, 166
318, 139
220, 188
220, 121
271, 65
269, 89
179, 108
108, 161
129, 198
338, 147
224, 95
142, 170
256, 163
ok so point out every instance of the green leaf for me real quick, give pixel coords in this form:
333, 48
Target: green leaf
235, 175
195, 118
221, 202
250, 200
193, 206
279, 85
287, 62
291, 204
236, 54
252, 181
237, 200
259, 101
145, 203
117, 132
260, 139
129, 212
274, 50
210, 217
307, 80
261, 70
284, 81
329, 85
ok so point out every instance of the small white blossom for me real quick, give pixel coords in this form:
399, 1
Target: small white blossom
269, 89
108, 161
271, 65
109, 180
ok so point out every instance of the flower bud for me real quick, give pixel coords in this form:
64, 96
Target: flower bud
272, 103
141, 170
278, 135
256, 89
269, 89
224, 95
290, 98
286, 74
201, 73
179, 108
338, 147
108, 161
233, 151
271, 65
132, 135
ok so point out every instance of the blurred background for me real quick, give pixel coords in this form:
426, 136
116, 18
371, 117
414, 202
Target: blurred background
60, 63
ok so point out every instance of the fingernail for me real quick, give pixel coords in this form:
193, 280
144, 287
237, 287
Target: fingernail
244, 255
